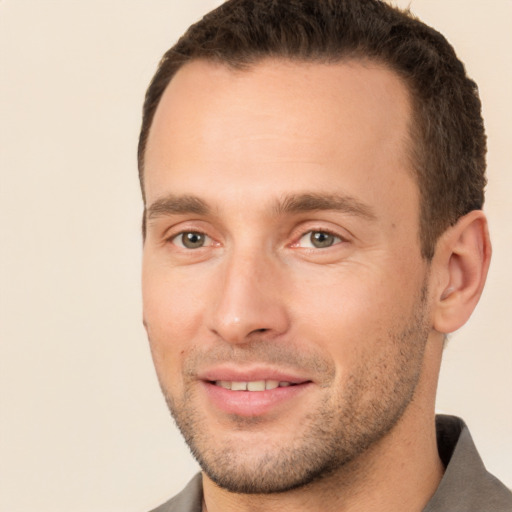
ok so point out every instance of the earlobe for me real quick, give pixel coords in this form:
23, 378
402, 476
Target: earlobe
462, 260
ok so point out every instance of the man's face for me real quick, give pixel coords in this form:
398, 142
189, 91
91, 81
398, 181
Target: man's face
284, 292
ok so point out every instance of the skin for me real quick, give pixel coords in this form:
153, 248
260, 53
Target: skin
360, 321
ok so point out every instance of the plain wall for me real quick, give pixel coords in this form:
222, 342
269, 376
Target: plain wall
83, 426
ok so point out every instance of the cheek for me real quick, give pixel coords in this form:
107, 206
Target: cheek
171, 299
341, 297
351, 311
172, 309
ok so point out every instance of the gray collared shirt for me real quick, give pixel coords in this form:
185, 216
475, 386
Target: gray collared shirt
465, 487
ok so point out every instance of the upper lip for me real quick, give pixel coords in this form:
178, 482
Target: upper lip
249, 374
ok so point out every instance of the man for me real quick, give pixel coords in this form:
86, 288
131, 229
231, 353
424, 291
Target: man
313, 175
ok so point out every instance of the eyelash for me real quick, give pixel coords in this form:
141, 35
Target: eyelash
172, 239
338, 238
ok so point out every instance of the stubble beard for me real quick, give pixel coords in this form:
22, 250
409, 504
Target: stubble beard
342, 426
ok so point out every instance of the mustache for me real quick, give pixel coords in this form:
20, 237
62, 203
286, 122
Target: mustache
265, 352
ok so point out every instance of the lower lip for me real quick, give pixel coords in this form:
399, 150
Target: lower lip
252, 403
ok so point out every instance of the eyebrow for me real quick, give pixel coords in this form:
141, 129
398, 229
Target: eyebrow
297, 203
177, 205
293, 203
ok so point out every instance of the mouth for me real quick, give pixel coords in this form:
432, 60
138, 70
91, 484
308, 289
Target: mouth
253, 385
254, 397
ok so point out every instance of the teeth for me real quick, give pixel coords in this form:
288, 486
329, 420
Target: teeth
256, 385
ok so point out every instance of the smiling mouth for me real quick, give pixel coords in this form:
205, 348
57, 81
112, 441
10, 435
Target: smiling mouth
255, 385
251, 398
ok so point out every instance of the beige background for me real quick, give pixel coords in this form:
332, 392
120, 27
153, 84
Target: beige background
82, 424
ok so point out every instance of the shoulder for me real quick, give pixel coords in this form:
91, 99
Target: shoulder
466, 486
188, 500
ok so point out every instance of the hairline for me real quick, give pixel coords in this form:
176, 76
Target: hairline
251, 64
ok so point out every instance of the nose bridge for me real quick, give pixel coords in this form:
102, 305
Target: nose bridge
248, 297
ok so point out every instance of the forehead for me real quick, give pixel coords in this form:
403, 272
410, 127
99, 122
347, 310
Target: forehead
279, 122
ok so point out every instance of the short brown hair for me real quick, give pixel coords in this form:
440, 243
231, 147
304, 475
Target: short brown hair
447, 131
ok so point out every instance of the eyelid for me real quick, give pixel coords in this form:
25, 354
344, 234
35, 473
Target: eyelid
209, 242
336, 239
303, 231
187, 226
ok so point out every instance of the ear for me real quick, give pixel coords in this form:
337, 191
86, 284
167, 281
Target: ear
460, 264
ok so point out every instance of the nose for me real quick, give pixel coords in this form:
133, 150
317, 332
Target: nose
249, 300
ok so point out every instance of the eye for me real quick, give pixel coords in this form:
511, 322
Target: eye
191, 240
318, 239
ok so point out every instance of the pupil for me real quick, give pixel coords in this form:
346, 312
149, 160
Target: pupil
321, 239
193, 240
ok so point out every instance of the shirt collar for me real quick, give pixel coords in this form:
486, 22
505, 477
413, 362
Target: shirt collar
466, 484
